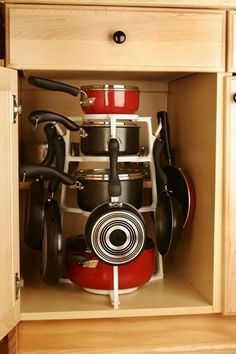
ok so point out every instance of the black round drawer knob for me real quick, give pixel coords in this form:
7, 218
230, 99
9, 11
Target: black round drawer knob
234, 97
119, 37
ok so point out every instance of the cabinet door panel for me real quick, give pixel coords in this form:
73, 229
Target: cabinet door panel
9, 235
230, 199
81, 38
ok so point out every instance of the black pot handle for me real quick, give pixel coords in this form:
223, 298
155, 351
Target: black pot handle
59, 152
160, 174
50, 131
53, 85
114, 185
41, 116
165, 134
36, 172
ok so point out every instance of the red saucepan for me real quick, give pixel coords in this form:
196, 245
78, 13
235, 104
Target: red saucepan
86, 270
96, 99
178, 181
169, 212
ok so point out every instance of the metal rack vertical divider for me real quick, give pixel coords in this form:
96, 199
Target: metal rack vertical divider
113, 118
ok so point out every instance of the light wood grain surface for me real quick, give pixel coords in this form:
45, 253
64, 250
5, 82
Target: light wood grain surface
134, 335
155, 3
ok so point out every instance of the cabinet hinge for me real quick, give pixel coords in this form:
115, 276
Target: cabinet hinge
17, 109
19, 283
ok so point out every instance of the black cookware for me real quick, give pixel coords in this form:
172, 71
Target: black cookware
115, 231
169, 212
98, 133
95, 187
35, 199
178, 181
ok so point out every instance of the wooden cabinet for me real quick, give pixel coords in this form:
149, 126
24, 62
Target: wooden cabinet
177, 58
72, 38
9, 202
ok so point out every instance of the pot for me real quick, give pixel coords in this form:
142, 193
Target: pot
86, 270
115, 231
96, 99
95, 187
111, 99
96, 135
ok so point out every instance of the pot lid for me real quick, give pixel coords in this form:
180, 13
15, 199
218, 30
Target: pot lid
88, 123
103, 174
107, 87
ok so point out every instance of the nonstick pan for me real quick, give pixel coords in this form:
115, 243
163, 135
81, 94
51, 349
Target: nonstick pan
35, 199
169, 212
178, 181
115, 231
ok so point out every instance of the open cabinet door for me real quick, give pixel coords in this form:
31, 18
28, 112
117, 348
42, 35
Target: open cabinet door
9, 203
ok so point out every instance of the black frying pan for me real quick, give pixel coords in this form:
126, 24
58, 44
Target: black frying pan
169, 212
178, 181
115, 231
52, 233
35, 199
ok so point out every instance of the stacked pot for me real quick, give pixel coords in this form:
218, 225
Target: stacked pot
115, 232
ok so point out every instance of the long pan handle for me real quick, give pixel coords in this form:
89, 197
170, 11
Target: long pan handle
42, 116
53, 85
114, 185
160, 174
162, 117
36, 172
50, 131
59, 152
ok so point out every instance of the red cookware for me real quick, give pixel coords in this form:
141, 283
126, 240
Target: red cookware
86, 270
112, 99
96, 99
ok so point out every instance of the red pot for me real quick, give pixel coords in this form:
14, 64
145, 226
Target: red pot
111, 99
87, 271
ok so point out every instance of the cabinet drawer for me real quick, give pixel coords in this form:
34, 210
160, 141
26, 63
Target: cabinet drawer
81, 38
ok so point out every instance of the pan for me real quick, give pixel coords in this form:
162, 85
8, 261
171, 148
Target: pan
96, 99
52, 233
115, 231
169, 212
178, 181
35, 198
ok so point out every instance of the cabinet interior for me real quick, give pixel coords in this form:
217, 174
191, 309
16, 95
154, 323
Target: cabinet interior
191, 282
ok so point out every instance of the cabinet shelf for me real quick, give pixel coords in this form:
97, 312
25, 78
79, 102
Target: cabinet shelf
172, 295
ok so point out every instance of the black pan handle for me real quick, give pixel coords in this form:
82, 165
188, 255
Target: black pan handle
41, 116
114, 185
160, 174
53, 85
50, 131
36, 172
162, 117
59, 152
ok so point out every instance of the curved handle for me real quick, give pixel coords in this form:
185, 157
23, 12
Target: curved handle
50, 132
41, 116
53, 85
160, 174
119, 37
36, 172
165, 134
114, 185
59, 152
